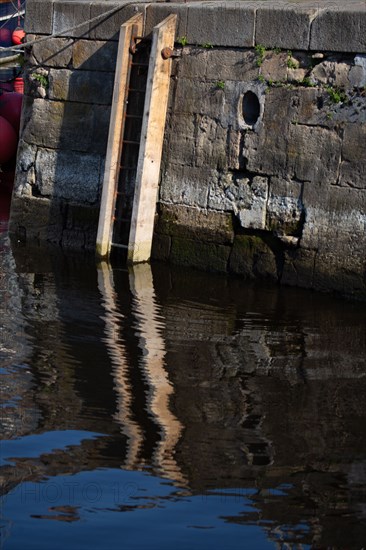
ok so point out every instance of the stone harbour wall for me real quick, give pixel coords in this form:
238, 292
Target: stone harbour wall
264, 160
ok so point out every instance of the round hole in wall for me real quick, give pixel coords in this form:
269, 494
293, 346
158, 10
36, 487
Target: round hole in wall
251, 108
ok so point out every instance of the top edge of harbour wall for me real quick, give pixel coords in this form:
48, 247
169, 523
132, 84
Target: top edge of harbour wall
297, 24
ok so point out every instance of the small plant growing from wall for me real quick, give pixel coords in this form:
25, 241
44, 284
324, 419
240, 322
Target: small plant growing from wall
41, 78
207, 45
291, 62
220, 84
183, 41
336, 95
307, 82
260, 51
39, 82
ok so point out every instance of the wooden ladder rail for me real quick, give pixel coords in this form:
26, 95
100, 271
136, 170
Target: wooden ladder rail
151, 143
128, 30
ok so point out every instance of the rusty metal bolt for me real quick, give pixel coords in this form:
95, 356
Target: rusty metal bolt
166, 53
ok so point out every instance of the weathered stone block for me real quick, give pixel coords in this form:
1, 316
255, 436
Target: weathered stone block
353, 174
68, 175
231, 65
108, 27
161, 247
156, 13
298, 268
353, 166
266, 153
335, 221
354, 140
274, 66
193, 96
210, 257
67, 15
287, 27
333, 274
339, 30
94, 55
36, 219
211, 143
284, 206
70, 126
81, 86
331, 73
186, 185
234, 153
193, 223
313, 154
80, 226
193, 63
221, 24
38, 17
230, 192
254, 217
251, 257
25, 173
55, 52
357, 75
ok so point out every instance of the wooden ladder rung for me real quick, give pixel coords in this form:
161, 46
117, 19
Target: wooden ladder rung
123, 220
117, 245
130, 142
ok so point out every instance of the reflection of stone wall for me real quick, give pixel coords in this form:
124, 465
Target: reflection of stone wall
265, 404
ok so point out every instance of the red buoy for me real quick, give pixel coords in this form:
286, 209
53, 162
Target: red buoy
11, 108
19, 85
18, 36
8, 141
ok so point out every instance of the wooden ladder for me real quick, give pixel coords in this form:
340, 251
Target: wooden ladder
135, 140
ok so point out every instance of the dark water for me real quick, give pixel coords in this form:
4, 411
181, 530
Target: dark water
169, 409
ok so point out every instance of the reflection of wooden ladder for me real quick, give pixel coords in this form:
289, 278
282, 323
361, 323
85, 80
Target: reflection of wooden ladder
135, 140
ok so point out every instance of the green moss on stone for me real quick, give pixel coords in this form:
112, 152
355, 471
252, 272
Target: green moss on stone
207, 256
251, 257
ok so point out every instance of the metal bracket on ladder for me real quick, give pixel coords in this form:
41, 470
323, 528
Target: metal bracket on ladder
150, 142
